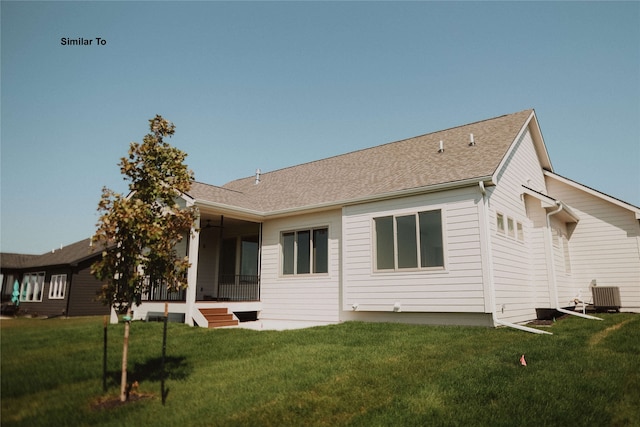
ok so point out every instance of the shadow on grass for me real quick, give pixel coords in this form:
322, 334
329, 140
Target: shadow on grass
175, 368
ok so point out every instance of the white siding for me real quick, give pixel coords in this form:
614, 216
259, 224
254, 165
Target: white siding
517, 289
456, 288
563, 277
310, 297
603, 245
536, 242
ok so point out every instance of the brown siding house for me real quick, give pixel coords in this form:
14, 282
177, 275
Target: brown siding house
57, 283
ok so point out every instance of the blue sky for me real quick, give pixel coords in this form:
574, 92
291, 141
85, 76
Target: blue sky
272, 84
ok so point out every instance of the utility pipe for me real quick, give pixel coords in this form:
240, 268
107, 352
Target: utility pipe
492, 291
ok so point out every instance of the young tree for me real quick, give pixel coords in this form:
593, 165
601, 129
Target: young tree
139, 231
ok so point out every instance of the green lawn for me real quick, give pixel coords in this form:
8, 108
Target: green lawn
586, 374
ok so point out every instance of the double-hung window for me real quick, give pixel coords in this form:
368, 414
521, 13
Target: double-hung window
305, 251
409, 241
32, 287
57, 286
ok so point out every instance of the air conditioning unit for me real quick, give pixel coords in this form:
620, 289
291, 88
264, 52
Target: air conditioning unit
606, 298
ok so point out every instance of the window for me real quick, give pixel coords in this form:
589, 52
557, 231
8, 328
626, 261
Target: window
320, 256
520, 232
509, 227
500, 223
288, 245
57, 286
431, 254
31, 289
305, 251
249, 252
384, 243
409, 241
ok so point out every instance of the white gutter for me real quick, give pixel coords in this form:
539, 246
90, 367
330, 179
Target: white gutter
552, 266
243, 213
385, 196
492, 290
335, 204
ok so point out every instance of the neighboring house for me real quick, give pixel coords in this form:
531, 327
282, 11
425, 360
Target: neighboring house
57, 283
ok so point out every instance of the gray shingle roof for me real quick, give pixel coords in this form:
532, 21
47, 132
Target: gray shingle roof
403, 165
70, 254
384, 169
16, 261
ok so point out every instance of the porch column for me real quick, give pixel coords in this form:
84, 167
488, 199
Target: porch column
192, 275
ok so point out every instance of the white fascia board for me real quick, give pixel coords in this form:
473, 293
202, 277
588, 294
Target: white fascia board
502, 163
261, 216
595, 193
567, 214
235, 211
545, 201
548, 202
187, 198
538, 144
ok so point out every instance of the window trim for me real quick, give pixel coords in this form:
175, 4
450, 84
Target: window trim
416, 214
512, 229
24, 286
312, 252
55, 285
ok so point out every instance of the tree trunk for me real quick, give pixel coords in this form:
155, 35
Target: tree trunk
125, 351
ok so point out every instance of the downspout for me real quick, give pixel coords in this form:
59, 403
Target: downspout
553, 267
68, 293
492, 290
259, 260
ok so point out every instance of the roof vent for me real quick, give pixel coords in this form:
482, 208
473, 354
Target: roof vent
257, 176
472, 141
441, 150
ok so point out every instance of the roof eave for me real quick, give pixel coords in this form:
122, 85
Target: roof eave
256, 215
595, 193
231, 210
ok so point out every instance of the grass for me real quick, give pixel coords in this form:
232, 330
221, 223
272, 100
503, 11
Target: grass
360, 374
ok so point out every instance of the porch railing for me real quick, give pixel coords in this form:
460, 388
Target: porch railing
238, 287
159, 292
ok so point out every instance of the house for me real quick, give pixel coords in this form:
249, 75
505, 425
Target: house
54, 284
469, 225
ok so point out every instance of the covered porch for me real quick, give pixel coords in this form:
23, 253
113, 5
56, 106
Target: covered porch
224, 253
228, 259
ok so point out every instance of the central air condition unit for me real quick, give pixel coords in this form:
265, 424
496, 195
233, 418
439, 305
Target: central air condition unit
606, 298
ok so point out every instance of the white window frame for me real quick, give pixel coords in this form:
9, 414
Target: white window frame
419, 267
312, 267
500, 223
509, 227
31, 283
57, 286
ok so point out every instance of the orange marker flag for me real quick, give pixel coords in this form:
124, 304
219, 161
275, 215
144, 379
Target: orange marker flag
522, 361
